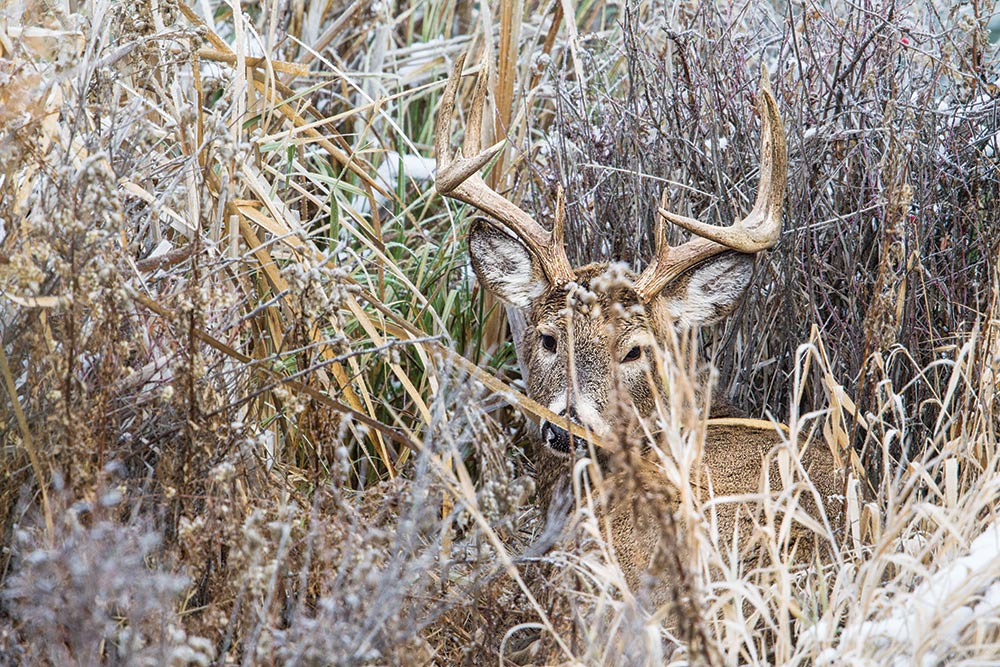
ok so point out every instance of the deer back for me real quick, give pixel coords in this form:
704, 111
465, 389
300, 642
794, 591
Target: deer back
640, 503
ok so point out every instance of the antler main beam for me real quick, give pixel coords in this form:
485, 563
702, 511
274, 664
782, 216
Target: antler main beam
757, 231
458, 178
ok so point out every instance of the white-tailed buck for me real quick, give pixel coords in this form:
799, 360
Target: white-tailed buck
590, 335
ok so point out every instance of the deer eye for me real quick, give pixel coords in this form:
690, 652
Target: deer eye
633, 354
549, 343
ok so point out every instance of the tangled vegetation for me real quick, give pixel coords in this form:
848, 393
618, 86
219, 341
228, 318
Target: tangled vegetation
255, 409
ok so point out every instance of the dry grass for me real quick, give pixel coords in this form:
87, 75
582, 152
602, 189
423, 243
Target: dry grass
242, 420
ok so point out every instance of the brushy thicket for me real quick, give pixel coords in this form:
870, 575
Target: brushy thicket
239, 423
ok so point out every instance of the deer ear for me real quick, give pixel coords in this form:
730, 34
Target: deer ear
504, 265
708, 292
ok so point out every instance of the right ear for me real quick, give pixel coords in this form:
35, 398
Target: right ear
710, 291
504, 265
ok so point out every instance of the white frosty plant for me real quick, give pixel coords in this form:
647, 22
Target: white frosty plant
926, 624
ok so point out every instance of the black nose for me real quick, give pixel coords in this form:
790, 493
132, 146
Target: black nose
558, 438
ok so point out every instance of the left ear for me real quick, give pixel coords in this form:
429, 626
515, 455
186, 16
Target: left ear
708, 292
504, 265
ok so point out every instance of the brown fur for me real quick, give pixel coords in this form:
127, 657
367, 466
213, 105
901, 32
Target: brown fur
638, 497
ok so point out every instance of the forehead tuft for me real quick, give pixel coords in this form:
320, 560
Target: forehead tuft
602, 288
609, 283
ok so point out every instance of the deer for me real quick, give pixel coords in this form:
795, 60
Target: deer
587, 339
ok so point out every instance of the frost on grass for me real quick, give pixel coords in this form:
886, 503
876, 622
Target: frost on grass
92, 591
959, 598
178, 239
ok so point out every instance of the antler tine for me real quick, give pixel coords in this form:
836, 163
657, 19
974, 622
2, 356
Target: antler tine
459, 179
474, 128
757, 231
559, 222
450, 173
446, 109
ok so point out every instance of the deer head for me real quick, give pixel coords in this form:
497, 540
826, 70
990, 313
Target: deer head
584, 347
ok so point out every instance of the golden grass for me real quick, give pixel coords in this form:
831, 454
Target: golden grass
255, 410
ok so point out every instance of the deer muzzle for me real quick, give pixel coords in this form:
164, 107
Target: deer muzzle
558, 438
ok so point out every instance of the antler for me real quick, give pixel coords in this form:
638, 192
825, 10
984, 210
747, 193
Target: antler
459, 179
758, 231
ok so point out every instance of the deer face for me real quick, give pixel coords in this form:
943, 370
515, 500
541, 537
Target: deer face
586, 348
587, 329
